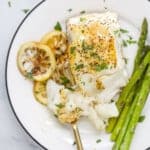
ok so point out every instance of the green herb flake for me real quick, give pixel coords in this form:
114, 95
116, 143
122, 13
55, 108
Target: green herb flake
141, 118
98, 140
58, 27
80, 66
70, 10
86, 47
124, 43
69, 88
82, 19
131, 41
72, 49
95, 55
83, 12
82, 31
130, 37
37, 92
100, 67
64, 80
124, 31
25, 11
55, 115
74, 143
125, 60
29, 75
60, 105
9, 3
117, 33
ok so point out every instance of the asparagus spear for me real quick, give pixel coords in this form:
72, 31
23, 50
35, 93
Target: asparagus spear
123, 114
125, 125
120, 119
141, 42
127, 119
139, 105
122, 99
142, 50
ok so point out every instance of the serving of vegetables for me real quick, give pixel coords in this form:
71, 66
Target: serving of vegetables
37, 61
133, 96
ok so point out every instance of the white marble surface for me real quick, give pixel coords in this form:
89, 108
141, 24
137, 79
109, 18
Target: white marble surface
12, 136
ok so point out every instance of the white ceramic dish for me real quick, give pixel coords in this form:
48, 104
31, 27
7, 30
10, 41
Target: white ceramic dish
34, 118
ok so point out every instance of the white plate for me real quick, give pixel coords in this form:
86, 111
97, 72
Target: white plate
35, 119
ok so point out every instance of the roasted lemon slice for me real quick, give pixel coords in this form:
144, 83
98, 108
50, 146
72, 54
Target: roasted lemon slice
57, 41
39, 90
36, 61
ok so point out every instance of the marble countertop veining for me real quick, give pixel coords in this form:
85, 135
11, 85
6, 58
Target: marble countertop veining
12, 136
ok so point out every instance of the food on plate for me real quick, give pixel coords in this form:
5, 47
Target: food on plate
96, 62
36, 61
95, 54
82, 73
56, 40
133, 97
39, 90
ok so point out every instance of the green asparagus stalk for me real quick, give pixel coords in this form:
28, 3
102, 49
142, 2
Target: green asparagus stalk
138, 105
120, 119
141, 42
125, 125
140, 95
142, 50
122, 99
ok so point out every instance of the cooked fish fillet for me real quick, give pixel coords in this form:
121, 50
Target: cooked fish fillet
97, 67
94, 51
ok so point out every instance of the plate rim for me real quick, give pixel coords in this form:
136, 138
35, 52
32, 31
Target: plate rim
6, 74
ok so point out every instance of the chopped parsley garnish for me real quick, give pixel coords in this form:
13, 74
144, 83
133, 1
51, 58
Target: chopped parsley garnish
124, 31
98, 140
86, 46
112, 100
29, 75
60, 105
118, 32
25, 10
58, 27
64, 80
82, 31
80, 66
55, 115
125, 60
127, 42
99, 67
95, 55
141, 118
124, 43
131, 41
82, 19
37, 92
9, 3
70, 10
69, 88
83, 12
72, 49
74, 143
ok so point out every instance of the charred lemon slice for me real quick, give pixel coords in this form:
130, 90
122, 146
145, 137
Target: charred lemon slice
36, 61
57, 41
39, 90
